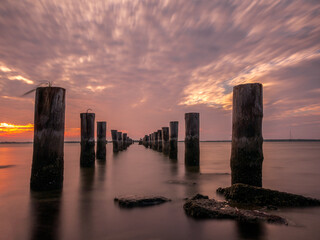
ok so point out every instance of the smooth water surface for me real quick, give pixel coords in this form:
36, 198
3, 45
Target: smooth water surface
85, 208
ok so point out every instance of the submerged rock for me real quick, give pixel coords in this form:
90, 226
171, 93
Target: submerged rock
181, 182
251, 195
140, 201
202, 207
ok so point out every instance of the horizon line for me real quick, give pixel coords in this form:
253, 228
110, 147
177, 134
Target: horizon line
265, 140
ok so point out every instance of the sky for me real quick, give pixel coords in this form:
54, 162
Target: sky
141, 64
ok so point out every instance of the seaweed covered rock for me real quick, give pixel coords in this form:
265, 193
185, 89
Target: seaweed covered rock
140, 201
202, 207
251, 195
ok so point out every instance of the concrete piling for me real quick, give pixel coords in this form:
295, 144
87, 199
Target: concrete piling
101, 140
159, 141
173, 140
246, 152
48, 143
114, 134
87, 156
192, 147
165, 140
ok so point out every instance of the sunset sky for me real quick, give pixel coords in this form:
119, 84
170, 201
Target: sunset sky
141, 64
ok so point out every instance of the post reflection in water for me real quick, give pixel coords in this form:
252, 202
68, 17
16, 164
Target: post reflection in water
101, 165
85, 201
174, 167
192, 177
251, 230
45, 212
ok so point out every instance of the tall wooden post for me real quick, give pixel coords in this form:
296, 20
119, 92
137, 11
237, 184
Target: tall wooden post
115, 145
192, 148
246, 153
87, 155
120, 141
173, 140
124, 141
101, 140
152, 141
159, 140
165, 140
155, 146
48, 141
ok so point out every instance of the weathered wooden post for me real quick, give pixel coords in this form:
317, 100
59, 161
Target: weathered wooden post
152, 141
101, 140
165, 140
48, 141
124, 141
159, 141
155, 146
246, 153
115, 145
173, 140
144, 140
120, 141
87, 155
192, 148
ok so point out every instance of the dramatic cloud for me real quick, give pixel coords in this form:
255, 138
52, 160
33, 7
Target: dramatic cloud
141, 64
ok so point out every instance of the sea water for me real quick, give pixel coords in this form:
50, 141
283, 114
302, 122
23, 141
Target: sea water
85, 208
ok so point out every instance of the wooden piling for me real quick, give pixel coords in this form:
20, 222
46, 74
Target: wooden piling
192, 147
155, 146
152, 141
87, 155
165, 140
124, 141
115, 145
101, 140
48, 141
246, 153
149, 142
159, 140
173, 140
120, 141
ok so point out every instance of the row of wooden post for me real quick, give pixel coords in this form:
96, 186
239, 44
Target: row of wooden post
246, 152
164, 140
120, 141
49, 123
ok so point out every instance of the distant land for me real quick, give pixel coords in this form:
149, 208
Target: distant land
265, 140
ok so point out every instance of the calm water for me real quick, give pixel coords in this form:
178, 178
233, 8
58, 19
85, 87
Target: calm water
85, 208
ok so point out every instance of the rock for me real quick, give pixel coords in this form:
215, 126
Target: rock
210, 208
140, 201
199, 196
251, 195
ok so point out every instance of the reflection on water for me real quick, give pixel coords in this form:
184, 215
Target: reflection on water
85, 200
85, 209
251, 230
45, 211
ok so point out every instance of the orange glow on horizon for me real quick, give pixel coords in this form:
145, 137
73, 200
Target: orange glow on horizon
8, 128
